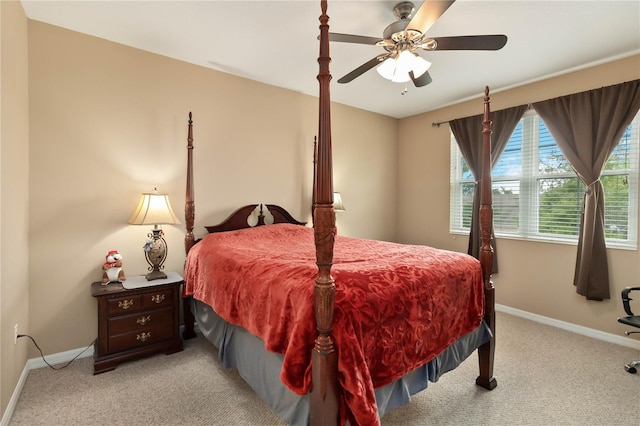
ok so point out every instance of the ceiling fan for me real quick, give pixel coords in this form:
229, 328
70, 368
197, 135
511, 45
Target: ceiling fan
402, 38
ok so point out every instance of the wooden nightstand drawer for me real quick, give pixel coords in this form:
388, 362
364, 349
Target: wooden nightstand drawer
156, 299
124, 305
139, 321
146, 336
134, 303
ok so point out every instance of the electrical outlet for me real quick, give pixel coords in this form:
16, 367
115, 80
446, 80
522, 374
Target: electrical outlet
15, 334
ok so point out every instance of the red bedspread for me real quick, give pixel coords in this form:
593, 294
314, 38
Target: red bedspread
397, 306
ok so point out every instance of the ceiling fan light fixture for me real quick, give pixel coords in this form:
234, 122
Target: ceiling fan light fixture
387, 68
401, 77
404, 64
420, 66
397, 68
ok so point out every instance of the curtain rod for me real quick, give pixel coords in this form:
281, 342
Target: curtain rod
437, 124
530, 106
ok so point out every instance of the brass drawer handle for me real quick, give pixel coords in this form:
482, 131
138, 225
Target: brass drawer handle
125, 304
143, 337
158, 298
144, 320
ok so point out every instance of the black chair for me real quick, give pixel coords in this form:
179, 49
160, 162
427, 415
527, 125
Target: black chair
632, 320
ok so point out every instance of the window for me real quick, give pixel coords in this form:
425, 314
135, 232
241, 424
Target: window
537, 195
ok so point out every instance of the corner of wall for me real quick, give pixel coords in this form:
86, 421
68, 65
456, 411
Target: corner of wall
14, 196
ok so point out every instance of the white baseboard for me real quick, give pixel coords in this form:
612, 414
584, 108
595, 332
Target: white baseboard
578, 329
6, 417
60, 358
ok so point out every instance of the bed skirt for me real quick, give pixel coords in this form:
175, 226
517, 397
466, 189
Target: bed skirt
239, 349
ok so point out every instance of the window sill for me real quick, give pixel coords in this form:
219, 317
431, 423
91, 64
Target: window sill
610, 245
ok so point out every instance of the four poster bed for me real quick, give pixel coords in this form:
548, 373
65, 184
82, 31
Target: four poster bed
325, 328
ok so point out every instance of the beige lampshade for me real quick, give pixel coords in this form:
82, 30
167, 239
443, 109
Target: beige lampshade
153, 209
337, 202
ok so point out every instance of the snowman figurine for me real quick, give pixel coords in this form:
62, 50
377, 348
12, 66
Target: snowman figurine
112, 268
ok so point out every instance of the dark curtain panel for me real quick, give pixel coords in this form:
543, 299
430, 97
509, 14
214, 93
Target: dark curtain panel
587, 127
468, 134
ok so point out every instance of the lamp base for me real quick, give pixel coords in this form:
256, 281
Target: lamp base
155, 251
155, 275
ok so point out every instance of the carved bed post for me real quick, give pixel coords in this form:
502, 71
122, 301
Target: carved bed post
189, 206
486, 352
315, 176
324, 398
189, 241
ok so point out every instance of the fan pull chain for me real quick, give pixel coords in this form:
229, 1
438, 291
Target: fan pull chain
405, 89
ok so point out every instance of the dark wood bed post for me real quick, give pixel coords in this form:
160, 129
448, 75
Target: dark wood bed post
486, 352
324, 398
315, 176
189, 240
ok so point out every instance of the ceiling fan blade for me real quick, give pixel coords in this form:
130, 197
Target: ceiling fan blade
350, 38
362, 69
428, 14
477, 42
421, 81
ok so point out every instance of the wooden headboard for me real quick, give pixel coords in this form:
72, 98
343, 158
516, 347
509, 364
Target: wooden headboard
240, 219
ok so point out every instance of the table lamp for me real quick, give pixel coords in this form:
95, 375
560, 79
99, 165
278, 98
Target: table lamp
154, 209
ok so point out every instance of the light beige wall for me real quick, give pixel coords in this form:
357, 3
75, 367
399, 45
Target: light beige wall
109, 122
534, 277
365, 172
14, 178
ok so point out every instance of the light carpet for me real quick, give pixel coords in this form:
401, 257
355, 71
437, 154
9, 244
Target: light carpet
546, 376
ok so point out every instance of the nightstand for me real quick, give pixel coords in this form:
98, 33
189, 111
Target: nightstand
136, 322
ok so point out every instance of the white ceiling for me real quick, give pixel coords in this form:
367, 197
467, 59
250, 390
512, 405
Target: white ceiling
275, 42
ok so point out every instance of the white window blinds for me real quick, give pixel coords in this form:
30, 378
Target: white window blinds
537, 195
